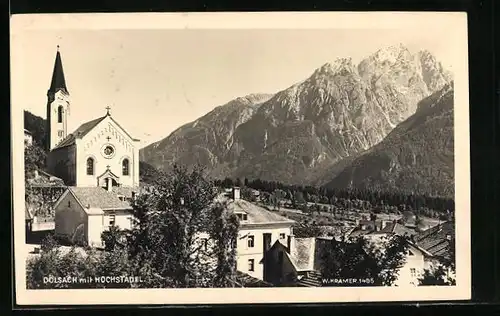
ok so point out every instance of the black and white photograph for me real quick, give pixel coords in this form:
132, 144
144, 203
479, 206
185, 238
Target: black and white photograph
240, 157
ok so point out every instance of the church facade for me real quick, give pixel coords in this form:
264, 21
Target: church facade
98, 153
99, 164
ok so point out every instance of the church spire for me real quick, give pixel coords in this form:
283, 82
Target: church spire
58, 82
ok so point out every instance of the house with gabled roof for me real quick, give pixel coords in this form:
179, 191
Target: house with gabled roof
83, 213
299, 262
259, 230
438, 239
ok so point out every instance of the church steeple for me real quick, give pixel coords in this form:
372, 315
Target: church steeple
58, 82
58, 104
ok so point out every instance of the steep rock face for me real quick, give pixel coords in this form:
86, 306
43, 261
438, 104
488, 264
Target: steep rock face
417, 156
206, 141
299, 133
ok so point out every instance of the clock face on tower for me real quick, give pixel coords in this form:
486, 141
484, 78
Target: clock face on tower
108, 151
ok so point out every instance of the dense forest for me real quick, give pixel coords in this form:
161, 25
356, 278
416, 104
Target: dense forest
37, 126
349, 199
370, 200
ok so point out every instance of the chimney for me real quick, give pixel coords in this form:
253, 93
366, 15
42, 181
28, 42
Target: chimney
290, 243
236, 193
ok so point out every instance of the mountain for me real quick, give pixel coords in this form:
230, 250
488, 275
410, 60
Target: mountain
208, 140
417, 156
299, 134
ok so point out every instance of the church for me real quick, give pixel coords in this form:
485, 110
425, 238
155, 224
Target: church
98, 162
99, 152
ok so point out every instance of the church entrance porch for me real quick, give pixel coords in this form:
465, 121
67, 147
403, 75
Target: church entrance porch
108, 180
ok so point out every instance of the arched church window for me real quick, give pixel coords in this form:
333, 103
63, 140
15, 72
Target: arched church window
60, 114
90, 166
125, 167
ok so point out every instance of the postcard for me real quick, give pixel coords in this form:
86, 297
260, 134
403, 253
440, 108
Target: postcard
246, 158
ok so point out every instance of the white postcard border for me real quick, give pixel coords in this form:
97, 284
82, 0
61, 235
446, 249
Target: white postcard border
303, 20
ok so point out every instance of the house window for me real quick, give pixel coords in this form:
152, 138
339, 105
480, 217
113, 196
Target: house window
244, 217
282, 236
125, 167
60, 114
69, 203
413, 272
90, 166
112, 220
250, 241
205, 243
60, 133
251, 266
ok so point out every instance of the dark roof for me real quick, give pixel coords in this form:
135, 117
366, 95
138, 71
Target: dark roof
45, 179
247, 280
435, 240
58, 82
97, 197
86, 127
81, 131
397, 229
256, 214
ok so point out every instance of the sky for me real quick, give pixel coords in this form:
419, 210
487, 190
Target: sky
156, 80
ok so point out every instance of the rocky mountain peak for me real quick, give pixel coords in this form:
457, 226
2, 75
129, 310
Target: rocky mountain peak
392, 54
254, 98
433, 72
295, 135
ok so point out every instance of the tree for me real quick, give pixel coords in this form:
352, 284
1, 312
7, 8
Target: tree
305, 229
436, 276
247, 194
298, 199
224, 232
49, 243
113, 238
358, 258
34, 159
53, 263
279, 195
238, 182
171, 225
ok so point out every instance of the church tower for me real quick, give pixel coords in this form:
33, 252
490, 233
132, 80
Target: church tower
58, 104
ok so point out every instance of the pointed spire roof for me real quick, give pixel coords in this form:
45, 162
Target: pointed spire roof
58, 82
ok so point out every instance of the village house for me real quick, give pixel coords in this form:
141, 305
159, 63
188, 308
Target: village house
44, 189
259, 230
298, 263
379, 227
438, 241
82, 214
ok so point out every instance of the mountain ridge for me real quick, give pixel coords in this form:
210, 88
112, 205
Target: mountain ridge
416, 157
299, 133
